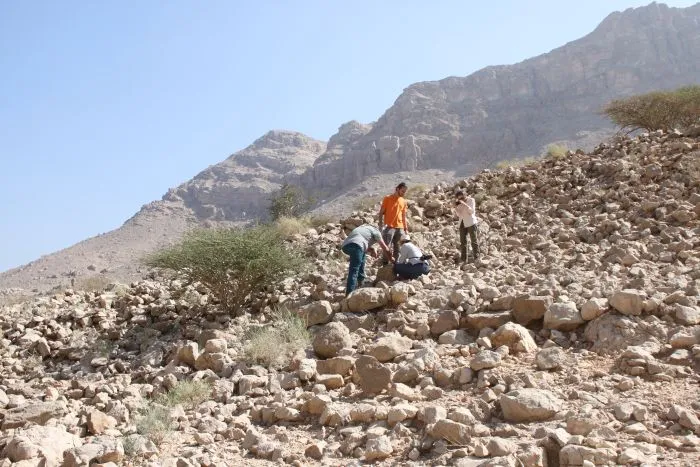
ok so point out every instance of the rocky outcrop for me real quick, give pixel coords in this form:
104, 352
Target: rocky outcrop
238, 188
514, 110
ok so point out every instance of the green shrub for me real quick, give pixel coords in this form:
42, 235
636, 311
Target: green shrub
93, 283
290, 226
273, 345
556, 151
289, 201
501, 165
154, 422
189, 394
232, 263
661, 110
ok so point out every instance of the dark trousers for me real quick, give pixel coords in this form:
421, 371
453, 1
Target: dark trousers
356, 271
411, 271
473, 232
391, 236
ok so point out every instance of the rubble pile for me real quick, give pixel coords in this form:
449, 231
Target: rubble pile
574, 340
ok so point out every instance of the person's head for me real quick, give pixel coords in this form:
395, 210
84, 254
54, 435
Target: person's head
401, 189
405, 238
460, 196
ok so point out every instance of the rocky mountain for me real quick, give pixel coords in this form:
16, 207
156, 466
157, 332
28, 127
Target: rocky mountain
573, 341
238, 188
501, 112
459, 124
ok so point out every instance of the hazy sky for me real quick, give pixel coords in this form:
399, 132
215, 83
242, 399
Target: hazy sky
105, 105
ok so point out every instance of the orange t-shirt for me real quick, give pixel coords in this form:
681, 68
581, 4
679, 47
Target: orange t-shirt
394, 207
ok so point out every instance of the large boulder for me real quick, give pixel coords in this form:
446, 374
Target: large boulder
529, 405
389, 347
319, 312
330, 339
38, 413
530, 308
366, 299
515, 337
374, 377
563, 317
47, 443
628, 301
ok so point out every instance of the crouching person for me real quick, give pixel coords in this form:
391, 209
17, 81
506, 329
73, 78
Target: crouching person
356, 246
411, 263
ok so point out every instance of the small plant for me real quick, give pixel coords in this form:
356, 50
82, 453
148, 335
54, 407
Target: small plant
273, 344
290, 226
289, 201
556, 151
661, 110
501, 165
318, 221
189, 394
94, 283
154, 422
232, 263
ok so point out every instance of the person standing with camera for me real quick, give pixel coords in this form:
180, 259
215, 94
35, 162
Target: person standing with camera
465, 208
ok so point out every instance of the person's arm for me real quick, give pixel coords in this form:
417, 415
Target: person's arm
470, 205
405, 220
380, 215
387, 251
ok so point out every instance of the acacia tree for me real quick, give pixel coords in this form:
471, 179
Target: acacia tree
289, 201
660, 110
232, 263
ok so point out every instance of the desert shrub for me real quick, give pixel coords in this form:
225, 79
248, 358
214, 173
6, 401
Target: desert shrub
94, 283
367, 203
556, 151
660, 110
189, 394
320, 220
273, 345
289, 201
290, 226
521, 162
232, 263
154, 422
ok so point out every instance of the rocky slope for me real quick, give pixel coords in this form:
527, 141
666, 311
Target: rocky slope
459, 123
574, 341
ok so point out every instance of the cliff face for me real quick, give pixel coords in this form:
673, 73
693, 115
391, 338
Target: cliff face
507, 111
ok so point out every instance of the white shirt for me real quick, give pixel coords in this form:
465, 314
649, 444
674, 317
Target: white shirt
409, 253
463, 212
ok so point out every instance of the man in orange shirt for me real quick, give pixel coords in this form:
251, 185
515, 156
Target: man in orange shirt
392, 217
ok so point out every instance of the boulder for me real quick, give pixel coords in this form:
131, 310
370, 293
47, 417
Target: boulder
530, 308
628, 301
515, 337
389, 347
563, 317
374, 377
529, 405
319, 312
366, 299
330, 339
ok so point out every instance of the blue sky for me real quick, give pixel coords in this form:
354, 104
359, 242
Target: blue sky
105, 105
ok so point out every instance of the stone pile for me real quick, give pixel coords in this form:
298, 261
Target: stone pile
574, 340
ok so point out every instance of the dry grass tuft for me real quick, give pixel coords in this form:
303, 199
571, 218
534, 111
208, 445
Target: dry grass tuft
273, 345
